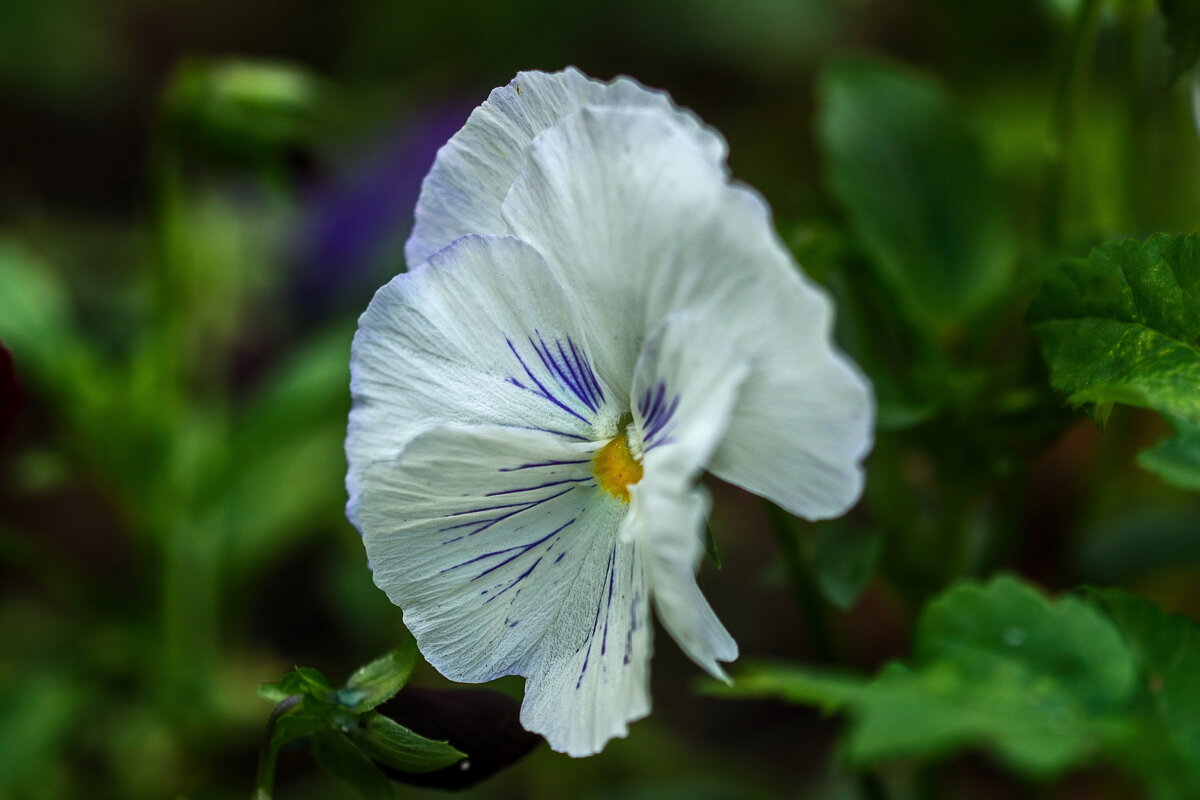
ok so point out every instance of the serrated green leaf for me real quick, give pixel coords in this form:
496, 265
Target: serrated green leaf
336, 754
1122, 325
1029, 721
379, 680
912, 180
1183, 32
1008, 628
1043, 685
1177, 461
844, 560
390, 743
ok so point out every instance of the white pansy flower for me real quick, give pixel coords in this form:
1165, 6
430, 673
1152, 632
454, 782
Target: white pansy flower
599, 315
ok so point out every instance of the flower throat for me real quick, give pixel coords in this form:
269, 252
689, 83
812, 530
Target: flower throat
615, 466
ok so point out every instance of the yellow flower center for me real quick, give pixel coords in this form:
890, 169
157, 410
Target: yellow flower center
616, 468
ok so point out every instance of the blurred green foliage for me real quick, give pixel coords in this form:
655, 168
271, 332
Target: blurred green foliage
1044, 685
199, 199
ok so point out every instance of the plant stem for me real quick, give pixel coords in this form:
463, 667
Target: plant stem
264, 780
808, 599
1068, 93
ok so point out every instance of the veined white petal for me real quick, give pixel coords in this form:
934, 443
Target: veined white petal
685, 387
666, 519
805, 416
474, 170
684, 390
646, 225
581, 694
625, 186
504, 557
483, 334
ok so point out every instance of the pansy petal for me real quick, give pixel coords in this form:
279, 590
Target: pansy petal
645, 225
482, 334
581, 694
504, 557
474, 170
804, 419
666, 521
685, 386
624, 186
684, 390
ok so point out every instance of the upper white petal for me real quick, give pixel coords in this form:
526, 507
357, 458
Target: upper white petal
505, 559
474, 170
644, 225
464, 340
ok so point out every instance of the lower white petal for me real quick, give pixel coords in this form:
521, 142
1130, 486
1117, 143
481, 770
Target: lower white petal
685, 388
667, 518
504, 557
581, 694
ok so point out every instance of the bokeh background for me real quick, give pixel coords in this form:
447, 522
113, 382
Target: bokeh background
196, 201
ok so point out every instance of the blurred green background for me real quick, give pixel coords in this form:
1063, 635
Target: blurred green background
196, 201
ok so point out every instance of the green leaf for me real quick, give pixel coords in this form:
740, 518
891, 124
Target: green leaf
1177, 461
912, 180
303, 680
1167, 649
844, 560
1183, 32
998, 665
710, 546
336, 754
1122, 325
1043, 685
1030, 721
273, 692
379, 680
386, 741
298, 724
1007, 628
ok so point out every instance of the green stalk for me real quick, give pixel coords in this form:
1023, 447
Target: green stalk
1068, 96
189, 536
268, 757
804, 591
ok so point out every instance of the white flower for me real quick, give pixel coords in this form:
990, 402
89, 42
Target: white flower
599, 315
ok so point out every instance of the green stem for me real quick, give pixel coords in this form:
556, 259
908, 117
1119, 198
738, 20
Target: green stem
1068, 95
268, 757
191, 534
804, 590
1134, 20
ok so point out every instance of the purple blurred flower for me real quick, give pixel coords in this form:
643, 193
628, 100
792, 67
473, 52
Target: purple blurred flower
358, 220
